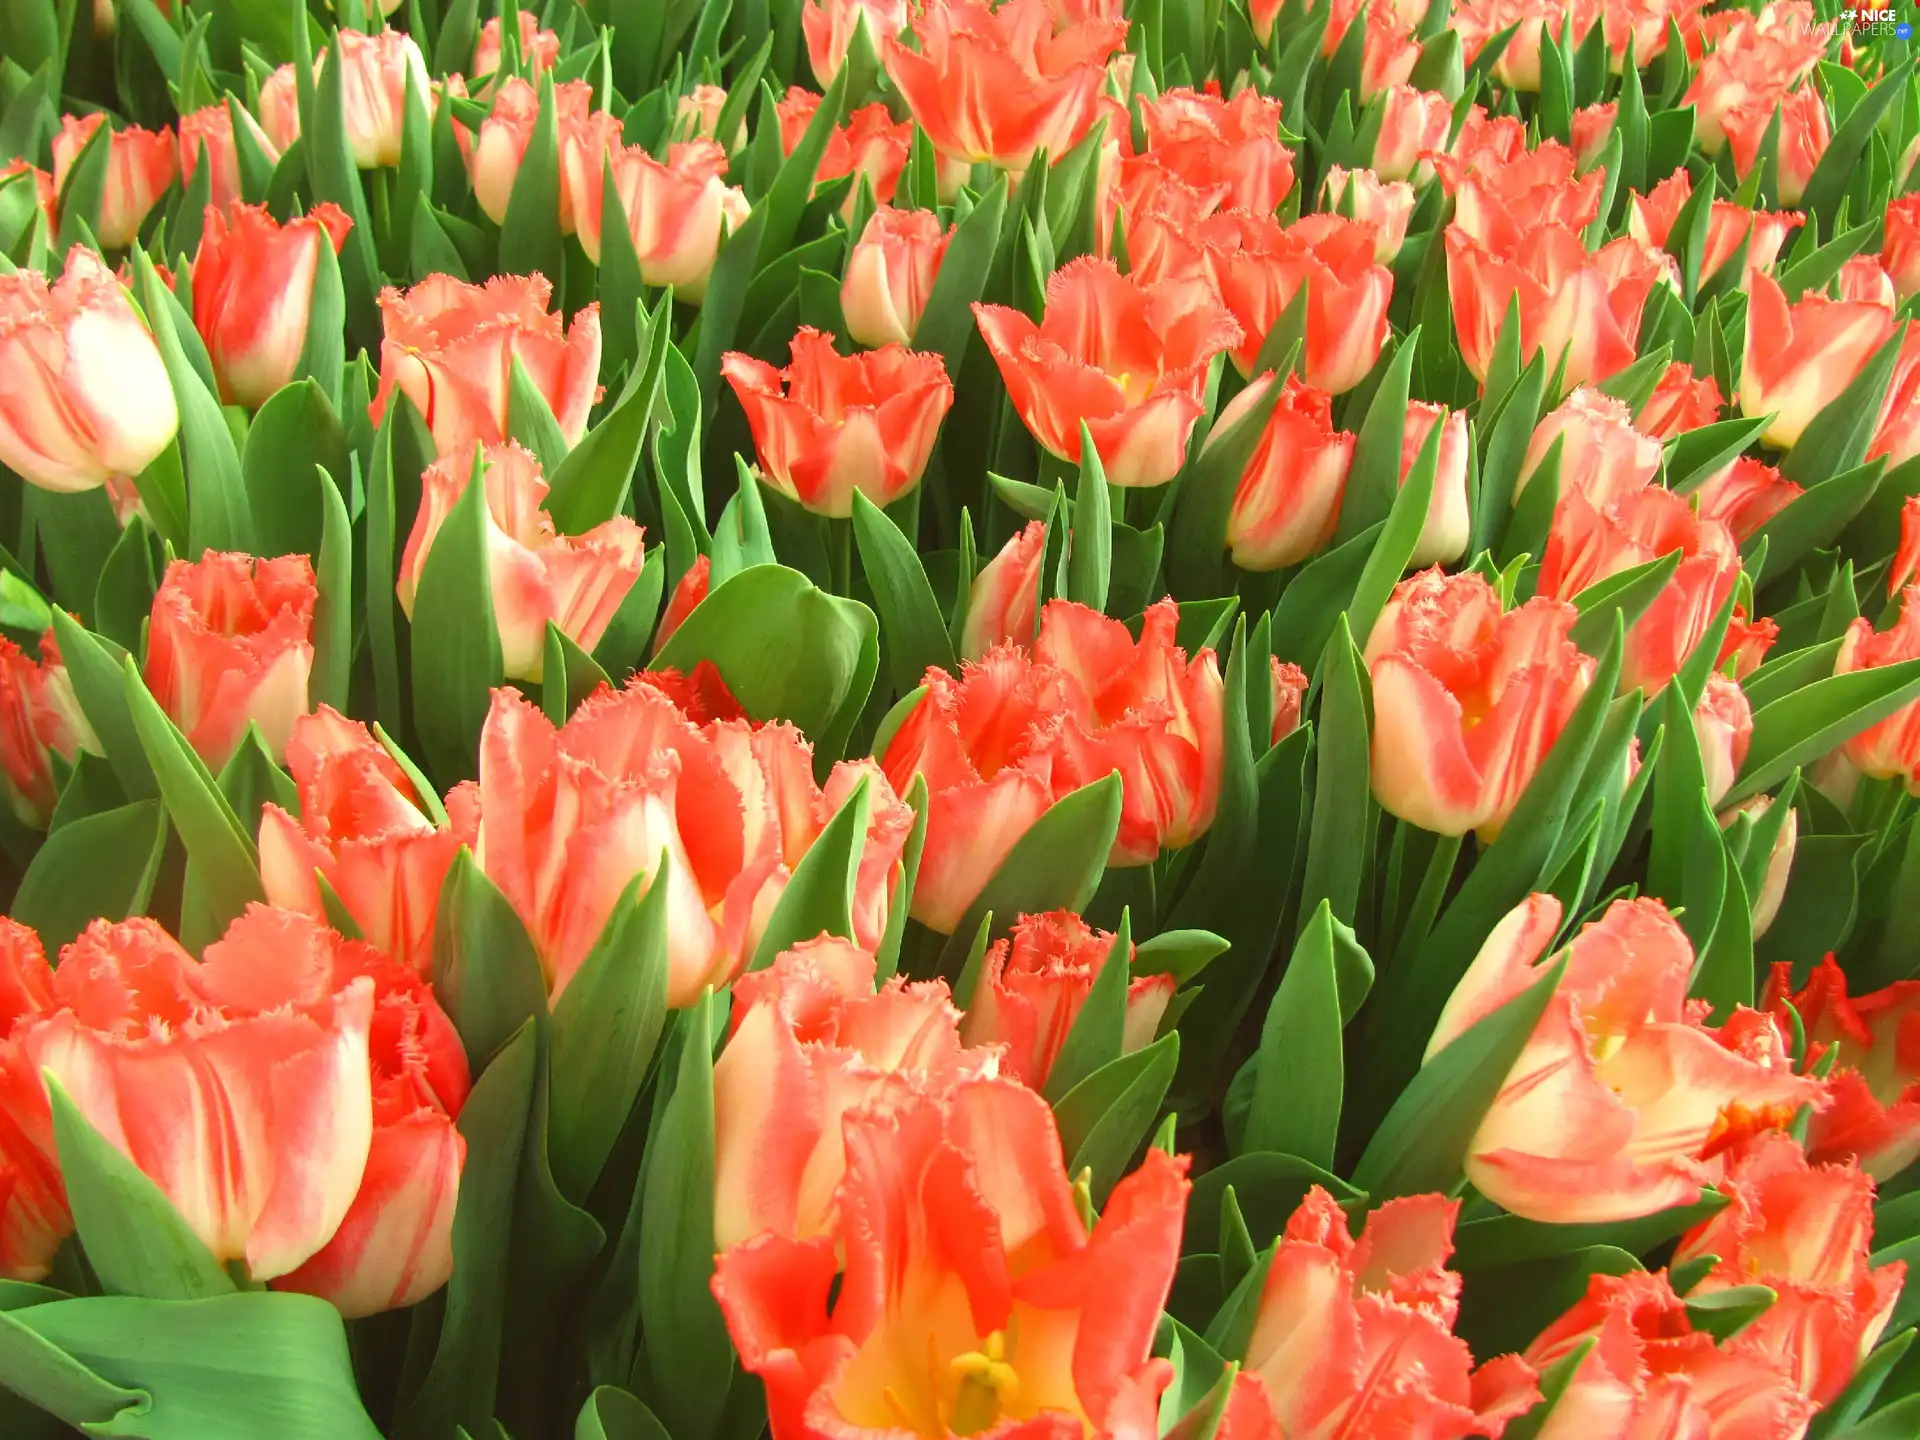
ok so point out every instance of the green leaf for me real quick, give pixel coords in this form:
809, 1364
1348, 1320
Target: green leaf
1836, 439
1342, 804
1624, 595
1840, 160
1499, 1240
1179, 953
591, 484
1298, 1076
946, 325
455, 673
295, 431
1898, 1421
1094, 1040
94, 669
568, 675
613, 1414
333, 608
530, 420
1373, 479
819, 898
99, 865
1725, 1313
530, 235
742, 538
86, 184
1798, 728
1810, 521
1267, 1189
1105, 1118
910, 615
1197, 536
1090, 559
486, 972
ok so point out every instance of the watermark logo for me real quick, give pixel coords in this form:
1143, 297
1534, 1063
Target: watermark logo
1876, 22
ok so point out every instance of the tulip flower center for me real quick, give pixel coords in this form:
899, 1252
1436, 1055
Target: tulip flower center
986, 1382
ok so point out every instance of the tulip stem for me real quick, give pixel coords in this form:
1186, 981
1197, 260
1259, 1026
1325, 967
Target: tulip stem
840, 556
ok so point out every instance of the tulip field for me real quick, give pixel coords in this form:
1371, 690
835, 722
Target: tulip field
900, 719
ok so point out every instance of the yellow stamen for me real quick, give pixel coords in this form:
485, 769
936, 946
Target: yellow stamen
987, 1383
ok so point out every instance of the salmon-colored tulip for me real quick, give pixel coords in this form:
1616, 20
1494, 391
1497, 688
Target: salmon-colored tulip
1230, 146
373, 80
1003, 601
537, 575
1386, 205
1625, 1100
1744, 494
539, 49
34, 1219
1754, 61
253, 294
676, 214
1906, 559
1289, 683
568, 816
998, 85
1518, 64
212, 129
1498, 206
1874, 1086
812, 1044
1486, 144
974, 1297
1467, 700
1127, 358
230, 644
1900, 249
1723, 726
1603, 455
1443, 538
1651, 217
40, 717
1258, 268
829, 27
279, 107
1680, 403
1889, 748
1592, 128
1897, 435
141, 165
1412, 124
890, 275
1799, 357
1287, 504
450, 348
871, 145
690, 590
1805, 132
1034, 983
831, 424
584, 137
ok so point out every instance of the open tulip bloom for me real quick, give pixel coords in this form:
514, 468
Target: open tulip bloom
959, 720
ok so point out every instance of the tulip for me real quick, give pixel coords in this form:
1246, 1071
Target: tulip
1805, 132
829, 26
676, 214
253, 294
141, 165
40, 717
1498, 207
1518, 65
1443, 538
1646, 1371
831, 424
213, 129
265, 1044
687, 595
1723, 727
1757, 61
1889, 748
538, 576
1680, 403
812, 1044
1900, 249
1034, 984
1412, 123
1624, 1099
1746, 644
1126, 358
34, 1219
1287, 504
1897, 434
366, 831
37, 183
1906, 559
450, 348
1592, 129
1356, 1338
1602, 455
1765, 905
890, 275
1289, 683
974, 1295
1874, 1085
1863, 279
229, 645
1232, 146
584, 137
539, 49
1804, 1231
1486, 144
568, 817
373, 78
1441, 652
1651, 218
1744, 494
1003, 599
1388, 53
998, 85
1385, 205
870, 144
279, 107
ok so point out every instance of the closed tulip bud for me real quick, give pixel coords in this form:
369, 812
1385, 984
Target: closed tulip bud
1287, 504
1385, 205
253, 294
1906, 559
998, 85
84, 397
1443, 651
1799, 357
279, 107
687, 595
676, 214
1863, 279
141, 165
1518, 64
1412, 123
40, 717
1602, 454
1486, 144
1805, 132
1889, 748
537, 576
1443, 538
1873, 1088
539, 49
1128, 359
373, 79
1035, 983
1618, 1049
1388, 53
1744, 494
830, 424
450, 347
1723, 728
696, 116
1680, 403
829, 27
1002, 603
34, 1219
1900, 250
1592, 129
584, 137
230, 644
1765, 904
1289, 684
212, 129
890, 274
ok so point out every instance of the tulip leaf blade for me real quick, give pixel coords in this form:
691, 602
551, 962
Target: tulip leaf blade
332, 176
1182, 954
1804, 724
85, 188
1509, 432
1267, 1188
1854, 1401
1104, 1118
296, 431
591, 484
1626, 595
333, 610
454, 675
1097, 1034
568, 675
531, 421
742, 538
1499, 1240
137, 1242
94, 668
530, 235
614, 1414
946, 325
1810, 521
1393, 551
1343, 796
486, 971
1298, 1075
1723, 974
1373, 479
1837, 438
819, 898
917, 638
102, 865
1090, 553
1422, 1143
1839, 161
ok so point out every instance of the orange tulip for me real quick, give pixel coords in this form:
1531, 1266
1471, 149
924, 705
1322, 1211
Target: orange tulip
253, 294
1603, 455
1887, 748
1754, 62
1906, 559
1518, 65
890, 275
687, 595
1744, 494
212, 128
1232, 146
1723, 726
1443, 539
829, 28
34, 1219
1289, 683
539, 49
1805, 132
677, 213
279, 107
1002, 603
373, 78
1900, 250
1650, 219
40, 717
1412, 123
141, 165
1498, 207
584, 136
1287, 504
1385, 205
1680, 403
1799, 357
1592, 128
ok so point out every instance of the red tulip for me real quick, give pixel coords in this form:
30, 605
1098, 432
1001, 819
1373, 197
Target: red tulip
1900, 250
813, 1045
1744, 494
576, 582
1287, 504
1442, 651
1289, 688
1906, 559
831, 424
1498, 207
1723, 726
1647, 1371
253, 294
1126, 357
1602, 454
999, 84
450, 348
1680, 403
230, 644
34, 1219
1003, 601
1874, 1086
39, 717
364, 829
1592, 128
1412, 123
1624, 1100
676, 214
539, 49
1356, 1338
279, 107
141, 165
890, 275
567, 817
974, 1294
373, 79
1385, 205
1651, 217
829, 27
1443, 539
1747, 643
687, 595
212, 128
1232, 146
1897, 435
1805, 132
1034, 984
